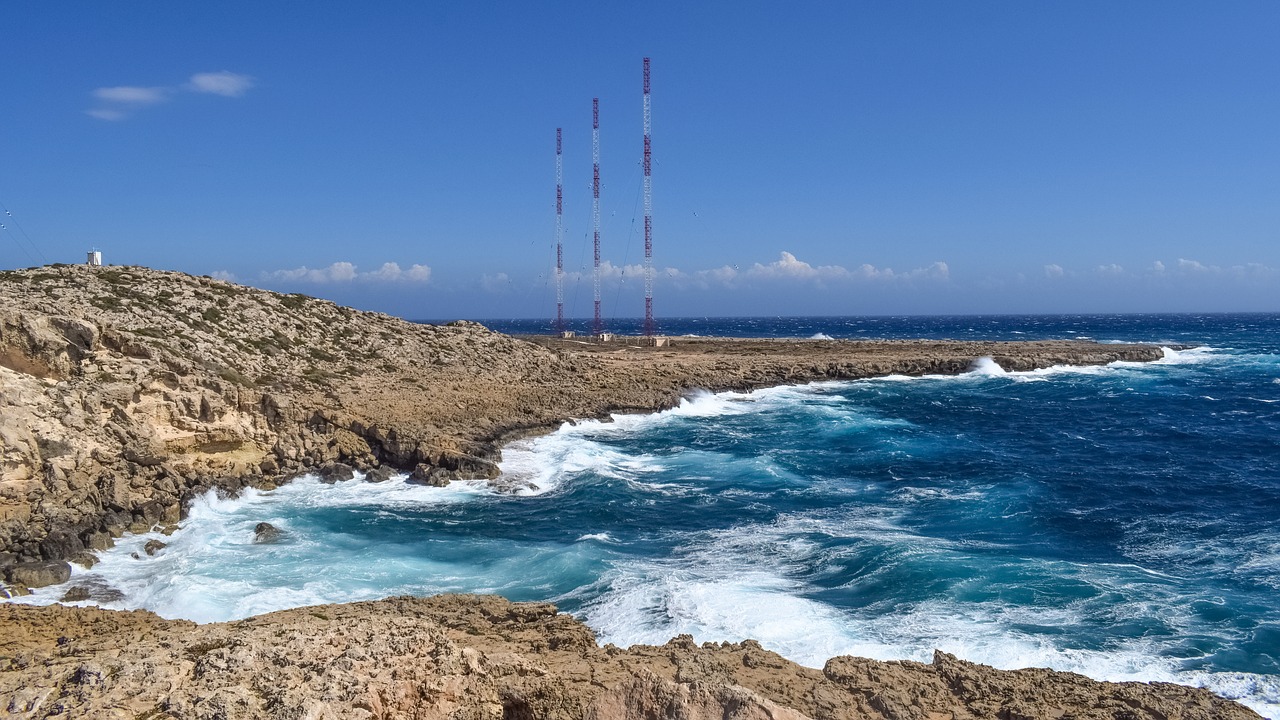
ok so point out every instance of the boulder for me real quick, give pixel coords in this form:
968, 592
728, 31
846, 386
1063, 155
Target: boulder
154, 546
13, 591
39, 574
336, 472
84, 559
379, 474
101, 540
75, 594
265, 532
425, 474
60, 544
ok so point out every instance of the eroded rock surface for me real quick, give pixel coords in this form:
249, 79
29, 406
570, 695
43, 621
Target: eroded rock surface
484, 657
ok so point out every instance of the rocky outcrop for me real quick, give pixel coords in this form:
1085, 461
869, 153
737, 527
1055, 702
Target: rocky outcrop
485, 657
125, 391
265, 532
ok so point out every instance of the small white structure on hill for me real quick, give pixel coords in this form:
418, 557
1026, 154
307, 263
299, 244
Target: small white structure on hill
95, 258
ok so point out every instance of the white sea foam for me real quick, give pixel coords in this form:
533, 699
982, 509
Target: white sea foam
820, 336
742, 583
212, 570
541, 465
986, 366
915, 494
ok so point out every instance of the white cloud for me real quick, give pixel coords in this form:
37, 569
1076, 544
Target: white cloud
345, 272
1248, 271
722, 274
609, 271
120, 102
1184, 269
392, 272
495, 283
787, 268
936, 271
226, 84
1194, 266
107, 114
126, 95
790, 268
222, 275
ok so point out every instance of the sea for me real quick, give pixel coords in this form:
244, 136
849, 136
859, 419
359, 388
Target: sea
1121, 521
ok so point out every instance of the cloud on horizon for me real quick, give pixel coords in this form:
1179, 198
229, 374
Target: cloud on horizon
122, 101
787, 268
346, 272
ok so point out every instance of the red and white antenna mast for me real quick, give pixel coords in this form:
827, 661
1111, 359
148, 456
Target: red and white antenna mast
559, 236
598, 327
648, 214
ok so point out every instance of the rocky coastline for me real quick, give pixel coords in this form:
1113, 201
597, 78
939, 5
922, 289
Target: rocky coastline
126, 391
474, 656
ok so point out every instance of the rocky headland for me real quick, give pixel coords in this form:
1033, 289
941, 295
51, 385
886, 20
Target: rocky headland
126, 391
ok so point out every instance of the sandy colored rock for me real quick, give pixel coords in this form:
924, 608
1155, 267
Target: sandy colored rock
484, 657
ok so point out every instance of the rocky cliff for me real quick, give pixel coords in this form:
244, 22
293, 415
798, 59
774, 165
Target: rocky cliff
484, 657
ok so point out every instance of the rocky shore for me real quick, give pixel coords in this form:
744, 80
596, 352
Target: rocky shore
484, 657
126, 391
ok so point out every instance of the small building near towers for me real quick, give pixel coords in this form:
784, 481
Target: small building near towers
95, 258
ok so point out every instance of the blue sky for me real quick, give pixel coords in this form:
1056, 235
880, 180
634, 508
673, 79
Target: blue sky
826, 158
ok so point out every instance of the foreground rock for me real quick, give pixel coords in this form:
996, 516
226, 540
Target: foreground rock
484, 657
126, 391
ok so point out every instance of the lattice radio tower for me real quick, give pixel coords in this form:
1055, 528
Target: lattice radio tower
598, 327
559, 236
648, 214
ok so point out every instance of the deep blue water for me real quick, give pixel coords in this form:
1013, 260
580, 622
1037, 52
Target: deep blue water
1120, 521
1250, 328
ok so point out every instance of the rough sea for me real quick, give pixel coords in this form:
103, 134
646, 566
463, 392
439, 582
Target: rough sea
1122, 522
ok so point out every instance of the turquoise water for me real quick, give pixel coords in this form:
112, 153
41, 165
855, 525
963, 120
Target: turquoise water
1118, 521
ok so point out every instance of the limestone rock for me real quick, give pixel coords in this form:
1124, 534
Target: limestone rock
75, 594
336, 472
39, 574
485, 657
431, 475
